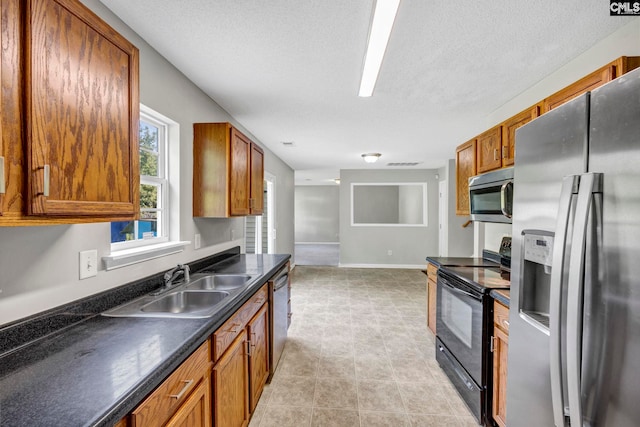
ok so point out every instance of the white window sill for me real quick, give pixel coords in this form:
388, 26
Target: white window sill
126, 257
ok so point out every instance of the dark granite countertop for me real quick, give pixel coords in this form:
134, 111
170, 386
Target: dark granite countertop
461, 262
501, 295
95, 371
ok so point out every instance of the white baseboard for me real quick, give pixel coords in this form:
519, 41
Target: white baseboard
405, 266
317, 243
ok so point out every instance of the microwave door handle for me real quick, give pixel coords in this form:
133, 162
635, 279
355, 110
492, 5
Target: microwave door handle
569, 188
503, 199
590, 183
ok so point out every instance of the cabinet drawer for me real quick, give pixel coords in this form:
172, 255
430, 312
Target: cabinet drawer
225, 334
164, 401
432, 272
501, 316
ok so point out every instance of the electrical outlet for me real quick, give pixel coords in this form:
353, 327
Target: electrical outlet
196, 242
88, 264
233, 234
389, 252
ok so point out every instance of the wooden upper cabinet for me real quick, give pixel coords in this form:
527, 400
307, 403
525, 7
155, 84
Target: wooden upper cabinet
509, 133
613, 70
489, 150
240, 181
465, 168
82, 113
256, 205
226, 169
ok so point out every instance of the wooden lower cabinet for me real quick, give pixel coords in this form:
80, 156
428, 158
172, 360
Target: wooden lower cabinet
242, 367
500, 348
432, 289
181, 396
258, 331
196, 411
231, 385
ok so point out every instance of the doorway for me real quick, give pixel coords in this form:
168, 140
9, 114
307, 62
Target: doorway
260, 231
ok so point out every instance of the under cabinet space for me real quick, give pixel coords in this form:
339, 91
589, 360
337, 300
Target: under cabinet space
228, 172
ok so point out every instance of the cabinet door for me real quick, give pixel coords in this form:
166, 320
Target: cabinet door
239, 173
585, 84
500, 350
82, 112
257, 180
489, 150
431, 298
465, 168
230, 386
509, 133
196, 410
258, 329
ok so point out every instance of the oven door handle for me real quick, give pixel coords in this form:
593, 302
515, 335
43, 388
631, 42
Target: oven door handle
459, 291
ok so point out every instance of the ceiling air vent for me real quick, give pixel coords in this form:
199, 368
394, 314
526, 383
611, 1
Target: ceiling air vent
288, 143
403, 164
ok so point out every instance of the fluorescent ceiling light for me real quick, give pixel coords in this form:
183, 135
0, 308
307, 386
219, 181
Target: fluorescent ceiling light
381, 25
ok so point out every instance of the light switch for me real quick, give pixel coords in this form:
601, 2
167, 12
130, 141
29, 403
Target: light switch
88, 264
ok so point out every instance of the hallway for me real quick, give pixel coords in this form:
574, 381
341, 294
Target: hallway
359, 354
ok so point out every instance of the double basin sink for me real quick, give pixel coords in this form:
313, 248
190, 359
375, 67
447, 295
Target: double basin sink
202, 296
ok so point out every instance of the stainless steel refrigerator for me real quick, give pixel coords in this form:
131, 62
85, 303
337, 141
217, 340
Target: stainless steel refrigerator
574, 335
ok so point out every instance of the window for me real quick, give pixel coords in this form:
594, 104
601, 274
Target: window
153, 226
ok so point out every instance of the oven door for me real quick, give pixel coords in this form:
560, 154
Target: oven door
459, 323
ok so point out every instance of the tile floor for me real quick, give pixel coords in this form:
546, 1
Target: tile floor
359, 354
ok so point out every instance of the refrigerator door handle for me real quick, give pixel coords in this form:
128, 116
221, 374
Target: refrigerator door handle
590, 183
569, 188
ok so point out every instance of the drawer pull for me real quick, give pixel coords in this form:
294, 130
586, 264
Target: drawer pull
187, 384
233, 327
506, 323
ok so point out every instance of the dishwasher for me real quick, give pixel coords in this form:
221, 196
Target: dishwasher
279, 315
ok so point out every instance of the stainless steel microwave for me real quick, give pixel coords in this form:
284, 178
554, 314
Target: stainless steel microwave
491, 196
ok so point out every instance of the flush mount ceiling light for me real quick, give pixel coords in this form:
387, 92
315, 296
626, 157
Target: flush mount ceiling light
371, 157
383, 16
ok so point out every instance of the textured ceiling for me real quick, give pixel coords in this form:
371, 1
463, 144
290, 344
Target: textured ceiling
289, 70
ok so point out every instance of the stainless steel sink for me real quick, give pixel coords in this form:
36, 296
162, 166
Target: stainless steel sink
185, 302
200, 297
219, 282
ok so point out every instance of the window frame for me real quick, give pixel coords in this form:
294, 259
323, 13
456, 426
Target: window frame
162, 181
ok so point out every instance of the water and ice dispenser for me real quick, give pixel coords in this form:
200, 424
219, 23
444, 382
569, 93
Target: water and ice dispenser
535, 283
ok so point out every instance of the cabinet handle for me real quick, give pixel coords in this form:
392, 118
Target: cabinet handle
506, 323
2, 186
47, 175
492, 344
183, 391
233, 327
248, 349
495, 154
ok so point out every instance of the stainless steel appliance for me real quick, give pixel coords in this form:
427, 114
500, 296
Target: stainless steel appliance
278, 288
463, 315
574, 335
491, 196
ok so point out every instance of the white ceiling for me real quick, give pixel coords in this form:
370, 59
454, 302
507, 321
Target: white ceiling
289, 70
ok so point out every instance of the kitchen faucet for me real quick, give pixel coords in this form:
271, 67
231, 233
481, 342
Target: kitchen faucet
171, 275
